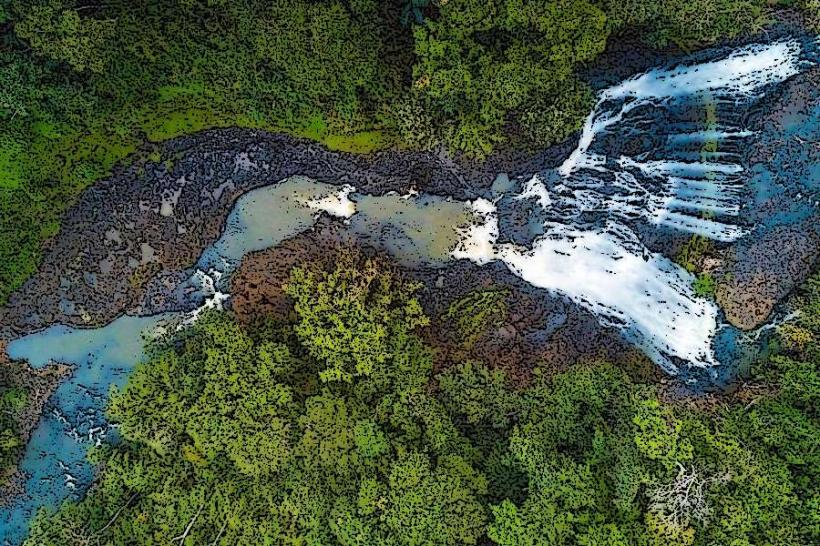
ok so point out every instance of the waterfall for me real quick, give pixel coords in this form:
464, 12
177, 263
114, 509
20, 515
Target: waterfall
610, 273
737, 77
685, 180
679, 192
640, 159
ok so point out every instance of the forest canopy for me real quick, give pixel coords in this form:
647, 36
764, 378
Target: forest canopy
85, 84
237, 434
340, 423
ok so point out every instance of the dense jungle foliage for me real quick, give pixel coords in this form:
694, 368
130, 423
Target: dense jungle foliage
85, 83
12, 402
331, 427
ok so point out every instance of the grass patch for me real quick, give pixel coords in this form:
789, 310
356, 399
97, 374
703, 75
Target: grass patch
704, 285
364, 142
41, 175
474, 313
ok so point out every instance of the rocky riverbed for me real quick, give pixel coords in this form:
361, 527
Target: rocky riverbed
758, 272
132, 234
131, 240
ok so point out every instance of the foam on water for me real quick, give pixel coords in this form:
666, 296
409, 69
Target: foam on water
610, 273
336, 202
588, 252
478, 239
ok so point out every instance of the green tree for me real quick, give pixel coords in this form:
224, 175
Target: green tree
350, 318
219, 397
55, 29
438, 505
229, 436
479, 62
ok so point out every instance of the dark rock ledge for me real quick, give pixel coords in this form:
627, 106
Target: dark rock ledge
157, 217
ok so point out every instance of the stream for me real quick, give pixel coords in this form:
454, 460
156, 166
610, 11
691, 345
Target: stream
645, 158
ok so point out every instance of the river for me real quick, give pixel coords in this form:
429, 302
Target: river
643, 159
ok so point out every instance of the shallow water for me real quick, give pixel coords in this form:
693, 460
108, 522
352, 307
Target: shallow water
581, 219
54, 460
269, 215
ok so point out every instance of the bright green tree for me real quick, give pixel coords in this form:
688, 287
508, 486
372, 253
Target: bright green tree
350, 318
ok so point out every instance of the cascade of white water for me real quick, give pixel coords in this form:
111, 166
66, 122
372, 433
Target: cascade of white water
645, 295
479, 238
691, 187
734, 79
597, 122
680, 168
535, 188
209, 286
707, 136
738, 75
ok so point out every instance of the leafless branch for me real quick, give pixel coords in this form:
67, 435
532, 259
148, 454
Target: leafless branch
117, 514
218, 535
181, 538
684, 500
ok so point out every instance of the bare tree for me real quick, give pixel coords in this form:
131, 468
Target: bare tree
684, 500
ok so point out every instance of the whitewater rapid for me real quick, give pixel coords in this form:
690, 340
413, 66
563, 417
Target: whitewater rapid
642, 160
688, 181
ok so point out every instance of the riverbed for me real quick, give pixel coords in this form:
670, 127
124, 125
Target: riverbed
574, 229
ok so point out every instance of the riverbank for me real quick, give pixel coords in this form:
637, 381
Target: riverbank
132, 240
37, 386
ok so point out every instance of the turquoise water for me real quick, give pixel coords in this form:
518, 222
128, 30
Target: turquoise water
264, 218
55, 458
600, 265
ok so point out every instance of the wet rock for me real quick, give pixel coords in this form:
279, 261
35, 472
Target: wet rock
147, 219
758, 273
782, 206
